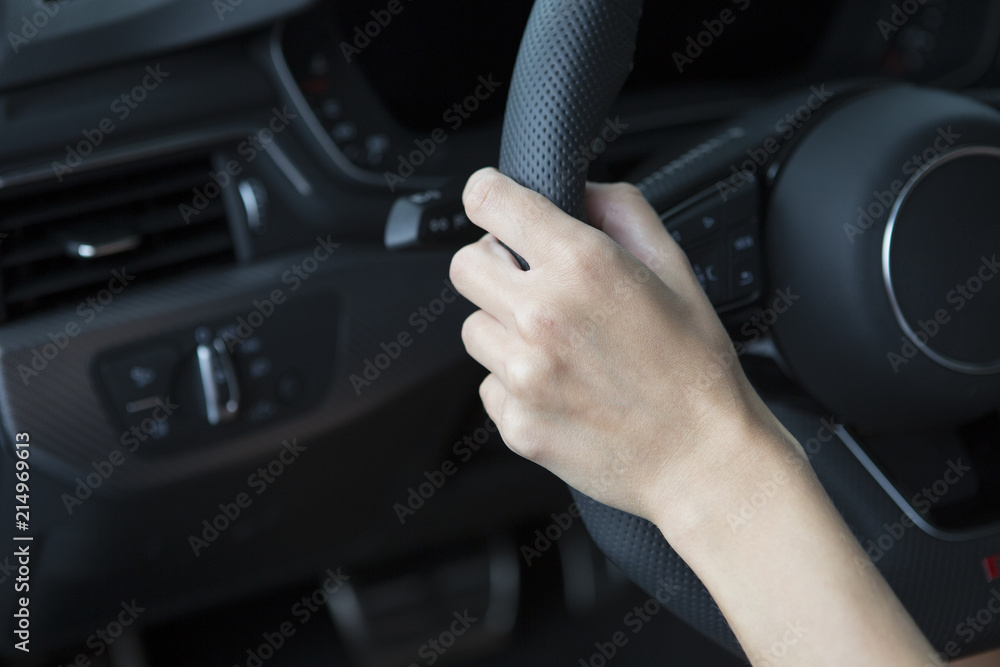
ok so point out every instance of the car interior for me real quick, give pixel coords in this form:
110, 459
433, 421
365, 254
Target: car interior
239, 426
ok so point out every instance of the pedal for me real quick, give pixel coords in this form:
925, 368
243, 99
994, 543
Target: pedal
443, 611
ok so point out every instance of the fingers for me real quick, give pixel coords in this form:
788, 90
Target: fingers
525, 220
487, 340
479, 268
493, 395
621, 212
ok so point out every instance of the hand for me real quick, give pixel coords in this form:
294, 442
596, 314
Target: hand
608, 364
609, 367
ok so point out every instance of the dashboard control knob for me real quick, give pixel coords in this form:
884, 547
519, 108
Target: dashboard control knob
219, 384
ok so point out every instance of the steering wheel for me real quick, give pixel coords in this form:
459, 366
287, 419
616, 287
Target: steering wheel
881, 215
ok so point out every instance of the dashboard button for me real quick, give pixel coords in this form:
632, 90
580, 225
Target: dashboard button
139, 376
140, 385
262, 411
376, 147
331, 109
290, 388
345, 131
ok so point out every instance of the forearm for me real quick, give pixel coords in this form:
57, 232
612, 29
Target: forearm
596, 373
789, 576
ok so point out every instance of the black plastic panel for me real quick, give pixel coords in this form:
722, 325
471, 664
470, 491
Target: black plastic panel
375, 296
57, 38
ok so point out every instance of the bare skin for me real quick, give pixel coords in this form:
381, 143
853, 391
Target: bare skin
599, 361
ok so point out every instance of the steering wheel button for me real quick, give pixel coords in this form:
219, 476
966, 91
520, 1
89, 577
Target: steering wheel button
744, 242
710, 213
709, 269
693, 226
745, 277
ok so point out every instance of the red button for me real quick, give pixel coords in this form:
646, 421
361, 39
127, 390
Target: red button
992, 566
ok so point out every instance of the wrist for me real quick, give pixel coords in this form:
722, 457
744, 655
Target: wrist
747, 467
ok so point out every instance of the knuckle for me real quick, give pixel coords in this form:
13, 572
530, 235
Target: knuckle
484, 195
531, 379
594, 262
550, 368
469, 328
462, 263
536, 324
522, 438
459, 262
626, 192
594, 252
522, 377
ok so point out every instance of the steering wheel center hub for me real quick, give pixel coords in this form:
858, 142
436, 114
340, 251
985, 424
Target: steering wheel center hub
885, 218
939, 260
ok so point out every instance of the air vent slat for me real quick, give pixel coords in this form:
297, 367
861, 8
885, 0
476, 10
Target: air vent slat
102, 272
141, 204
45, 249
162, 220
78, 202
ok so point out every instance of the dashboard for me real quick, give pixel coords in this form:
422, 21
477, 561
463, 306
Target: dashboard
404, 79
195, 205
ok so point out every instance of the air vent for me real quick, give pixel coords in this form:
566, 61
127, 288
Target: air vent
63, 242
